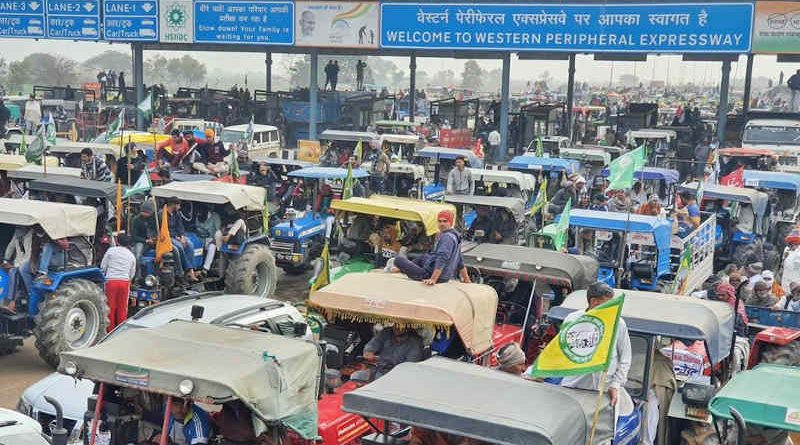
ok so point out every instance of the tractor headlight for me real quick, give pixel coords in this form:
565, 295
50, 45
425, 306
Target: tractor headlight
70, 368
150, 281
186, 387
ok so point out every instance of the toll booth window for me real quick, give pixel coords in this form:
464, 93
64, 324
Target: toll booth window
636, 375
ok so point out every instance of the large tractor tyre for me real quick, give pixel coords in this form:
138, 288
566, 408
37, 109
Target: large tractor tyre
253, 273
75, 316
788, 355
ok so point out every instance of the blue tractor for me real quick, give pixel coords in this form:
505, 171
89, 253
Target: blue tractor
243, 265
300, 237
67, 310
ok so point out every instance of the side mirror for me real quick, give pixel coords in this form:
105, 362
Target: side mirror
197, 312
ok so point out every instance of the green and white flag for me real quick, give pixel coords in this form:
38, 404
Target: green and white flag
142, 185
116, 127
51, 130
622, 169
146, 106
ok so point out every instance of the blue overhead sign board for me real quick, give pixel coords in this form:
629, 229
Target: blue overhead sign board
652, 28
73, 19
130, 20
23, 19
244, 22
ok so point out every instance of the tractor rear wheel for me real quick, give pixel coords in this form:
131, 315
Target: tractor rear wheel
75, 316
253, 273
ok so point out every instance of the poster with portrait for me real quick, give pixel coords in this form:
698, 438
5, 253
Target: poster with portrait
337, 24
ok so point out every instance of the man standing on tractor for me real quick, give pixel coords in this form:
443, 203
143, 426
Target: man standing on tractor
443, 263
459, 180
617, 372
93, 167
119, 268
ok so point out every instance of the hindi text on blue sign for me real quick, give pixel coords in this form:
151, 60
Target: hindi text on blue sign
668, 27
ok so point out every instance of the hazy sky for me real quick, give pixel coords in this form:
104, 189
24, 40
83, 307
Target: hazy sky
656, 67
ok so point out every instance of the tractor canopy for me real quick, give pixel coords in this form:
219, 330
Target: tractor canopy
32, 172
405, 209
524, 181
75, 186
462, 399
532, 264
377, 297
276, 377
515, 206
327, 173
212, 192
673, 316
765, 396
58, 220
526, 162
772, 180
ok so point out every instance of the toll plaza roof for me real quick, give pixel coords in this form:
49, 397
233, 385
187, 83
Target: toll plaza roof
450, 153
772, 180
327, 173
460, 398
614, 221
667, 175
567, 166
674, 316
349, 136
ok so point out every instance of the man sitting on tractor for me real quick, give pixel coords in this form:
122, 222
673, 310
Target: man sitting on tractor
392, 346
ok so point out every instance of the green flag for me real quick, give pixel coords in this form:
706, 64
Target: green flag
146, 106
560, 240
622, 169
142, 185
347, 189
35, 151
51, 130
115, 128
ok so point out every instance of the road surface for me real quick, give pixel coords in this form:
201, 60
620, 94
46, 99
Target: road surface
24, 367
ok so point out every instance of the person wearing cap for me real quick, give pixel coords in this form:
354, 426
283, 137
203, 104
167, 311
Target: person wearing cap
214, 155
762, 295
459, 180
512, 359
790, 302
170, 151
617, 372
442, 263
599, 202
560, 199
652, 207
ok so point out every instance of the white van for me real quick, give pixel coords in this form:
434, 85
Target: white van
266, 142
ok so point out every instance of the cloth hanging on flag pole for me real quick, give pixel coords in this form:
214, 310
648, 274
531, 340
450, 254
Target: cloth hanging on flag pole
582, 346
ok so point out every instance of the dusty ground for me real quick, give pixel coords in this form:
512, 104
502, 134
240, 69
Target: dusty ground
21, 369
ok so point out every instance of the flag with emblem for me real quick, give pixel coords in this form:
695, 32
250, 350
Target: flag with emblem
541, 198
164, 241
324, 277
562, 228
583, 345
622, 169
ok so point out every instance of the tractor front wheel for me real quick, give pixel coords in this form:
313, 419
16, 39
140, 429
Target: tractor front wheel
253, 273
75, 316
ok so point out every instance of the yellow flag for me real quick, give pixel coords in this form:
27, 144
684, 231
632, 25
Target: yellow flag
583, 345
164, 241
324, 277
119, 206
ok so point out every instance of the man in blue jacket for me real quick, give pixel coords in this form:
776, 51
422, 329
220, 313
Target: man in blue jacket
442, 263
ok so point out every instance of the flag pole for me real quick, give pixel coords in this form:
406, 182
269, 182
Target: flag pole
596, 415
